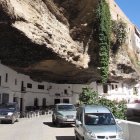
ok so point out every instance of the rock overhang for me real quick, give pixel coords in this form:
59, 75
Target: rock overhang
43, 39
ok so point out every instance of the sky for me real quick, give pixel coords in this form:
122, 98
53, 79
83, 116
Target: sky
131, 8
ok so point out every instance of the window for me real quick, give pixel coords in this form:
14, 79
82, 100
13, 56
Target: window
65, 91
112, 86
23, 88
99, 119
57, 94
0, 80
5, 98
44, 102
116, 87
105, 88
0, 98
56, 101
65, 100
29, 85
36, 102
6, 77
81, 116
40, 86
15, 99
15, 81
66, 107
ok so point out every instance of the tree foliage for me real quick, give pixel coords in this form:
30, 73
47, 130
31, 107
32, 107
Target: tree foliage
88, 96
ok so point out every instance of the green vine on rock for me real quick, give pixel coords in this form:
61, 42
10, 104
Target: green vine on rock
119, 33
104, 37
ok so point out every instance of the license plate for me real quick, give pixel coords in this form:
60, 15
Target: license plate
70, 120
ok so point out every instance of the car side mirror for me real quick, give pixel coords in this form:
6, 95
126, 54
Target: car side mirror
78, 122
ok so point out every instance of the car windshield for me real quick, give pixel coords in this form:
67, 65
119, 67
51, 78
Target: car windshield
66, 107
99, 119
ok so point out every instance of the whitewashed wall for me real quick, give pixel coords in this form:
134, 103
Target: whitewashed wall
118, 91
137, 40
51, 89
130, 130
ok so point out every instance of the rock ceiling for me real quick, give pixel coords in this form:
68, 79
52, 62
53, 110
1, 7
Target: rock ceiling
50, 40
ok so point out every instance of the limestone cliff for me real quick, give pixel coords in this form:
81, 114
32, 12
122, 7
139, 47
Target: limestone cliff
54, 40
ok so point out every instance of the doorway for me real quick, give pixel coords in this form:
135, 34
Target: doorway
15, 99
105, 88
66, 100
56, 101
21, 104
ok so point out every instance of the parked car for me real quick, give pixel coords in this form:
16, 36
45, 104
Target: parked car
9, 112
64, 113
95, 122
133, 108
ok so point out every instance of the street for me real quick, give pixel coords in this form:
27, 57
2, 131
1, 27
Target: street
37, 128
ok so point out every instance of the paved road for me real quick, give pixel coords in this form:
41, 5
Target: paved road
39, 128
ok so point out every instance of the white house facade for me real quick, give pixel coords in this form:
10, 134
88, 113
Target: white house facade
137, 38
17, 87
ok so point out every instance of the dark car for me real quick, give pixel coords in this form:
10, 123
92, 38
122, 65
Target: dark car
9, 112
64, 113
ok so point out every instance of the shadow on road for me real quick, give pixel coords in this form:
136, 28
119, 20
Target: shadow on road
50, 124
5, 122
65, 138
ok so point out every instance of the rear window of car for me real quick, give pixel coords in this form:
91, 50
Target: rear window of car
99, 119
8, 106
66, 107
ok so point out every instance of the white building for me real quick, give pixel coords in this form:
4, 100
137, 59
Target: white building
16, 87
137, 42
137, 38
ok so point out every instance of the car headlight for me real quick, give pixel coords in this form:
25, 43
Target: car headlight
61, 116
10, 114
120, 134
90, 135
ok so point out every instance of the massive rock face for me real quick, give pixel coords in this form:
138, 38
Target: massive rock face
54, 40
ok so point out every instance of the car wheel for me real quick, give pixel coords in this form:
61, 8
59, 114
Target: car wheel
57, 123
12, 121
53, 121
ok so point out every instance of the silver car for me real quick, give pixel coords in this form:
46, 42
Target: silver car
9, 112
95, 122
64, 113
